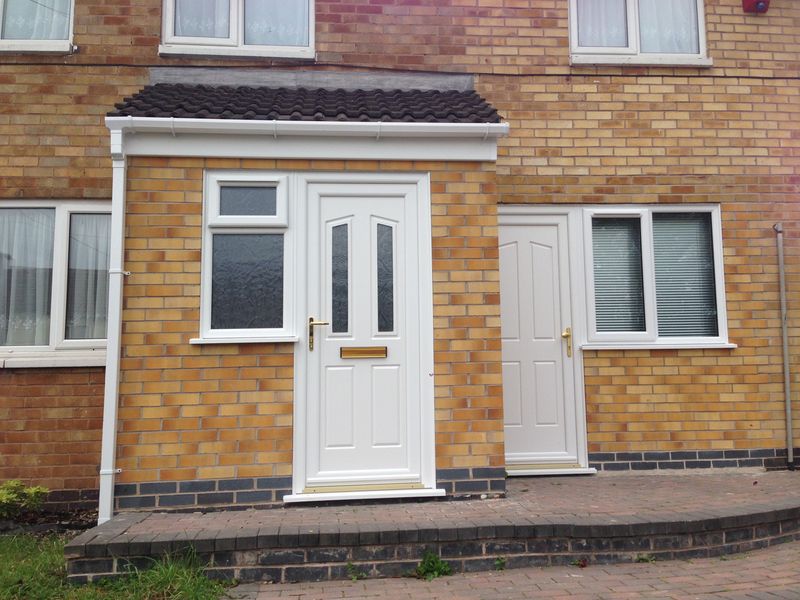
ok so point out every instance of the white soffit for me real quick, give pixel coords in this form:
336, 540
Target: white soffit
234, 138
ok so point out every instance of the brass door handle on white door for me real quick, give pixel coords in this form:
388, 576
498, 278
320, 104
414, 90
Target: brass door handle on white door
567, 335
311, 324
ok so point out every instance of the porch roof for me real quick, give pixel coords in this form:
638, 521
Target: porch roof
181, 101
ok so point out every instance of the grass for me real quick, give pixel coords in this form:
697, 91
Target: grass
33, 569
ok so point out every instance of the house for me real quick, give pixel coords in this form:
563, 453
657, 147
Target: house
326, 250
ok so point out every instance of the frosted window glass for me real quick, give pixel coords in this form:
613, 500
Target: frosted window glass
247, 201
385, 260
340, 291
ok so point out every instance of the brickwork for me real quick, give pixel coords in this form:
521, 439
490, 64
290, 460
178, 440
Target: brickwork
206, 412
50, 430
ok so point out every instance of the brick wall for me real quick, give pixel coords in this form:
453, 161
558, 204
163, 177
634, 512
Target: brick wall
194, 412
50, 430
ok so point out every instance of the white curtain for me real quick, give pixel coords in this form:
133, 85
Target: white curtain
202, 18
603, 23
87, 277
276, 22
669, 26
36, 19
26, 275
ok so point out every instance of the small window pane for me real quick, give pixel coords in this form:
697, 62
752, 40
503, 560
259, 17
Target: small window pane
618, 287
602, 23
247, 281
669, 27
685, 284
87, 276
36, 20
276, 22
202, 18
385, 259
340, 293
26, 275
247, 201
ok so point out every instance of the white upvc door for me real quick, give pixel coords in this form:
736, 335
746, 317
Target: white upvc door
367, 394
545, 426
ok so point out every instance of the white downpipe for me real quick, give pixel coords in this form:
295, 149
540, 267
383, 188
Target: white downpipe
787, 388
110, 398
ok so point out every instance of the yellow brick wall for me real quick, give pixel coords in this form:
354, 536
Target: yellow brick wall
221, 411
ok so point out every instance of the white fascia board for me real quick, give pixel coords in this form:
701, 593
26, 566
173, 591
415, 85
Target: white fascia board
144, 136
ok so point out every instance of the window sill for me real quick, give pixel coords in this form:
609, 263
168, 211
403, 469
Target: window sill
54, 359
266, 52
245, 340
38, 46
659, 60
658, 346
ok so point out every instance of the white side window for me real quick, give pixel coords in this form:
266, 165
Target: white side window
248, 252
655, 276
54, 260
279, 28
638, 32
27, 26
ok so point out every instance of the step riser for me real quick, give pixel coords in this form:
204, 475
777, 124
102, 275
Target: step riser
254, 561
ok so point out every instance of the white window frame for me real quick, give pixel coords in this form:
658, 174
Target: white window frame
88, 352
234, 44
280, 223
650, 338
56, 46
631, 54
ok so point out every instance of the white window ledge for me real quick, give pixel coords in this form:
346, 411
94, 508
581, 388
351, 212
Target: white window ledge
658, 346
245, 340
244, 51
45, 359
52, 46
657, 60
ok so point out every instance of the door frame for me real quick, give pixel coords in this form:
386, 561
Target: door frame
299, 194
525, 214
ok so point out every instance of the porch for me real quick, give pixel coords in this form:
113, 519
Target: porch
542, 521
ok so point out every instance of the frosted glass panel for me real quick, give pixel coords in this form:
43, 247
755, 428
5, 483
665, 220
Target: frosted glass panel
618, 289
340, 291
36, 20
685, 284
669, 27
247, 201
26, 275
247, 281
385, 278
202, 18
276, 22
87, 277
602, 23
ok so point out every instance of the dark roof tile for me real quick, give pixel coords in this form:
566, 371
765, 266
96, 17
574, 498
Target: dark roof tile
306, 104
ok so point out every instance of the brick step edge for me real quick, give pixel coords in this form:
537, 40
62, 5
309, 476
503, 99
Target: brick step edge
314, 562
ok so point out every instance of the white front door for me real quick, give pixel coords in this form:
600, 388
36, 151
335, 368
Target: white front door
544, 419
368, 402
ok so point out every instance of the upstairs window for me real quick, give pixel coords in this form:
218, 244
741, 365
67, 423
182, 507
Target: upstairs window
638, 32
41, 25
279, 28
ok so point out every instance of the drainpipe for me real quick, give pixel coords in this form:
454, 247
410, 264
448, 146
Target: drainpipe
108, 450
787, 390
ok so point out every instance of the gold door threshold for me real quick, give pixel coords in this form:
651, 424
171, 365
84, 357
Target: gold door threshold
541, 466
367, 487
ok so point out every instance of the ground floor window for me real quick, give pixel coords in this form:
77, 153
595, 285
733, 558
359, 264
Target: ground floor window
54, 260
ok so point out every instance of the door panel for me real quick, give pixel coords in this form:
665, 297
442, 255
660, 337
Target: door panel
541, 427
363, 424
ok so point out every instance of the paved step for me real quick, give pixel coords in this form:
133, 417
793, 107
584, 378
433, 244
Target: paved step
386, 540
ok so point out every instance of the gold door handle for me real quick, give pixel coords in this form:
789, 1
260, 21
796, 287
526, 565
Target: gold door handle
311, 324
567, 335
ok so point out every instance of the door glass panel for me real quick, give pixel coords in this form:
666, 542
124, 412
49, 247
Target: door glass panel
247, 201
385, 260
247, 281
340, 291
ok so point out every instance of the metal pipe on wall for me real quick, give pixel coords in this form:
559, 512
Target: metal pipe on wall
787, 387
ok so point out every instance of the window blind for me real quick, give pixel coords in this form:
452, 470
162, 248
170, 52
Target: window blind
685, 285
618, 289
